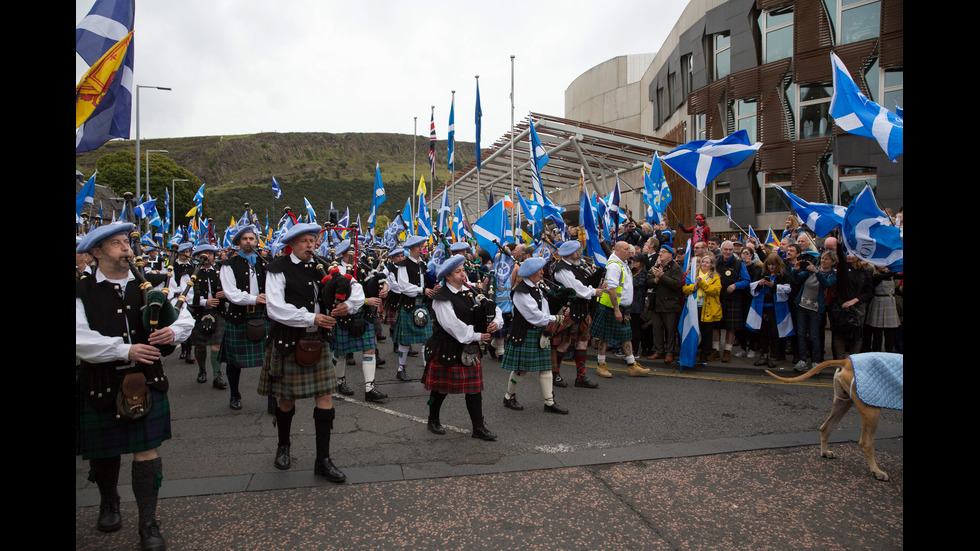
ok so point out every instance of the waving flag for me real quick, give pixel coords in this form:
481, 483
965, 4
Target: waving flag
593, 247
855, 113
690, 332
460, 232
310, 211
86, 196
532, 211
425, 223
395, 227
771, 239
613, 203
540, 158
421, 190
146, 209
752, 235
655, 190
378, 197
479, 115
442, 221
408, 217
199, 196
490, 200
451, 140
822, 218
868, 234
97, 81
432, 145
492, 228
276, 190
700, 161
108, 22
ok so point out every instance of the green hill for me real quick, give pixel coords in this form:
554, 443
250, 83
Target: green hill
321, 167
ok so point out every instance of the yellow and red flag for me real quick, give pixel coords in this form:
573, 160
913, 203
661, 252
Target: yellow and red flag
95, 84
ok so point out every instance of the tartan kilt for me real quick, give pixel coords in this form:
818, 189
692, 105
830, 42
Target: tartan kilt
733, 314
237, 349
406, 332
606, 328
577, 332
528, 354
99, 434
344, 343
391, 312
297, 381
452, 379
214, 339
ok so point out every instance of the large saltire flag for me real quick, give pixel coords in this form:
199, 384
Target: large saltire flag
276, 190
540, 158
86, 196
493, 229
95, 84
310, 211
655, 190
451, 141
425, 223
107, 23
690, 332
700, 161
593, 246
868, 234
854, 113
442, 221
822, 218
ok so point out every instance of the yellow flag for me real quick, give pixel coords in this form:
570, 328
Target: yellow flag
95, 84
421, 190
191, 212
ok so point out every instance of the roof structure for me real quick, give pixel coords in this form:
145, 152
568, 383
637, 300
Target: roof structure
572, 147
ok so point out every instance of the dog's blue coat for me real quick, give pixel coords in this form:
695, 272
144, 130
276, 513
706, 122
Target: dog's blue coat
878, 379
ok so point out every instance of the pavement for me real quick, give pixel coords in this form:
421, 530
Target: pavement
719, 457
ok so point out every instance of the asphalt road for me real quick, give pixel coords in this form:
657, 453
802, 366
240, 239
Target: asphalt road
720, 457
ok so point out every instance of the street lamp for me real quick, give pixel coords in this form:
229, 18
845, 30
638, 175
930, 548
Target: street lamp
138, 86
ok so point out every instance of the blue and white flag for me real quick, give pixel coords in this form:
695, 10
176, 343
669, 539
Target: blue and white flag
593, 246
460, 233
378, 197
784, 320
614, 212
690, 332
395, 227
276, 190
199, 196
311, 212
86, 196
533, 212
345, 219
147, 209
166, 210
855, 113
700, 161
492, 228
822, 218
408, 217
478, 117
108, 22
540, 158
425, 223
451, 140
655, 190
442, 221
868, 234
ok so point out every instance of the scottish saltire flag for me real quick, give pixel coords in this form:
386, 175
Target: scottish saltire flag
390, 237
822, 218
408, 217
460, 233
379, 196
199, 196
655, 190
479, 115
593, 247
868, 234
700, 161
451, 138
108, 22
752, 235
146, 209
177, 237
728, 208
345, 219
690, 332
311, 212
613, 203
276, 190
442, 221
856, 114
432, 145
86, 196
654, 217
532, 211
784, 320
492, 228
425, 223
540, 158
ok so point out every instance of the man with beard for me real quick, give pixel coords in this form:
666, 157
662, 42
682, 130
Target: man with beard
570, 273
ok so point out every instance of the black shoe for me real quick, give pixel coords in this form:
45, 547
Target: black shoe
219, 383
109, 518
492, 351
350, 359
483, 433
282, 458
183, 354
412, 352
435, 427
272, 405
150, 538
555, 408
325, 468
558, 381
202, 377
190, 358
585, 382
235, 402
380, 337
512, 403
374, 395
344, 389
380, 362
402, 376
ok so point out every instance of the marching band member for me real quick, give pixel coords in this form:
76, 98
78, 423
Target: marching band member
611, 323
523, 352
412, 325
570, 273
206, 307
452, 353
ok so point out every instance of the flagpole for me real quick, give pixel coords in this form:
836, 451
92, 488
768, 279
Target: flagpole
478, 159
432, 185
415, 132
512, 137
452, 172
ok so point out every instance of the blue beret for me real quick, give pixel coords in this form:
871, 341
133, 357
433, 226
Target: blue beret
397, 251
531, 266
300, 229
569, 248
414, 240
245, 229
448, 266
459, 246
184, 246
95, 237
204, 247
342, 247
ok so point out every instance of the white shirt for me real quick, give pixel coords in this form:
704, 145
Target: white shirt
230, 286
281, 311
460, 331
568, 279
94, 347
616, 270
402, 284
529, 309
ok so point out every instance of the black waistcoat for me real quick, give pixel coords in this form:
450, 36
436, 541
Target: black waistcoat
241, 270
519, 325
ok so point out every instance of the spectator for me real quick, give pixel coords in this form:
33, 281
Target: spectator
771, 289
734, 284
813, 283
882, 321
749, 340
668, 282
707, 285
851, 297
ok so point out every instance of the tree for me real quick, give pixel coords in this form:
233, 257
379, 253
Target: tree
118, 172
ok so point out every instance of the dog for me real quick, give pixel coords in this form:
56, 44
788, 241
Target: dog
844, 396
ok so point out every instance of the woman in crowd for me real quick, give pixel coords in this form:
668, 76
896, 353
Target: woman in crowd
813, 283
769, 308
749, 340
851, 297
882, 322
707, 285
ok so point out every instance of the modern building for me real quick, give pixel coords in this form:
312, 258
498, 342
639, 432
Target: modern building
763, 66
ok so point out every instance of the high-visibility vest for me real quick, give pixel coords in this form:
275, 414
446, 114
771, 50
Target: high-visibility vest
603, 298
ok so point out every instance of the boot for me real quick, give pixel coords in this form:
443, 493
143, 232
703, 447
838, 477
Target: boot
105, 473
635, 370
602, 371
323, 466
284, 422
147, 476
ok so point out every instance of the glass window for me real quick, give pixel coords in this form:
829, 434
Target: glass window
722, 55
815, 120
772, 198
720, 194
776, 28
894, 94
745, 117
687, 73
859, 20
853, 180
672, 90
700, 127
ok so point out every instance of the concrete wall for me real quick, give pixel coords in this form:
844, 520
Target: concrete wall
609, 94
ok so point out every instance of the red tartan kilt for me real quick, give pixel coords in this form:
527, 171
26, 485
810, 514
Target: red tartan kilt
452, 379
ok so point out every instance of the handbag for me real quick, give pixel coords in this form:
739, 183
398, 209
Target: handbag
255, 329
308, 351
133, 401
207, 324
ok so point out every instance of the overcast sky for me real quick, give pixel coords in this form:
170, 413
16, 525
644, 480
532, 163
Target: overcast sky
247, 66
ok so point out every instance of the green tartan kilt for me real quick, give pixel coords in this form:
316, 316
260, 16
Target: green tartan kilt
297, 382
344, 343
214, 339
606, 328
236, 348
527, 355
406, 332
99, 434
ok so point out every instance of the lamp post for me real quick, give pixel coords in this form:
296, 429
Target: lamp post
138, 86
